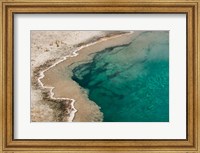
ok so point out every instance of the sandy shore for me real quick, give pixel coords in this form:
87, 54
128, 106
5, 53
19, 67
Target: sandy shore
58, 79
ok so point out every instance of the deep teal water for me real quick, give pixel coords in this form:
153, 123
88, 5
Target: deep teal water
130, 83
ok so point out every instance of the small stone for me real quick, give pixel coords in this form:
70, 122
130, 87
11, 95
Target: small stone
46, 50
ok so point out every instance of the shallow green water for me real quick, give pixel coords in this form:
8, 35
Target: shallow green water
130, 83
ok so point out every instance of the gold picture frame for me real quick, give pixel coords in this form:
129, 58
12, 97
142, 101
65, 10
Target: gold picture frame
10, 7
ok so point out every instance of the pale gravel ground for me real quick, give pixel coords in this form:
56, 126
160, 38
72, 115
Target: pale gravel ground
47, 45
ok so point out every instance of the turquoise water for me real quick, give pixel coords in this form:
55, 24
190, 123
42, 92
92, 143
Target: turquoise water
130, 83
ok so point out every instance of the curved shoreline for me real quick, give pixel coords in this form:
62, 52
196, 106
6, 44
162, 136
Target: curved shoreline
74, 53
41, 75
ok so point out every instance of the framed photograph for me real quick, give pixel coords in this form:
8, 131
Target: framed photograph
96, 76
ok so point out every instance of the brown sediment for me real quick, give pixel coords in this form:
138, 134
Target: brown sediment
59, 77
63, 107
37, 70
94, 39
